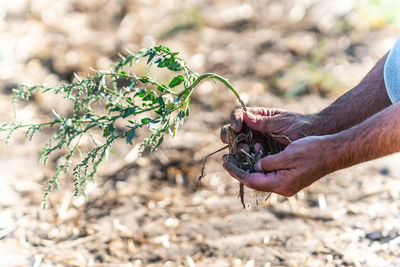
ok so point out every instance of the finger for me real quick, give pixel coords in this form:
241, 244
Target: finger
273, 163
262, 124
227, 135
235, 171
270, 182
258, 148
237, 120
265, 111
254, 121
277, 182
230, 158
224, 134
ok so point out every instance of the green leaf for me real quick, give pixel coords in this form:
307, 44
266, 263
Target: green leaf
187, 107
141, 92
171, 63
175, 66
162, 88
144, 79
176, 81
116, 108
129, 100
128, 112
151, 55
159, 111
130, 135
164, 63
181, 116
130, 86
108, 130
145, 120
162, 48
161, 101
179, 119
151, 96
159, 141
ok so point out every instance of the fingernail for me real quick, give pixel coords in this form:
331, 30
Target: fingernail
236, 124
251, 116
223, 130
257, 166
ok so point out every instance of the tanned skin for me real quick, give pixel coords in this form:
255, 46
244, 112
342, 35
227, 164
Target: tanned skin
361, 125
366, 99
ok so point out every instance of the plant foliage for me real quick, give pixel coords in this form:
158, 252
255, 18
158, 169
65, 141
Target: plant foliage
107, 96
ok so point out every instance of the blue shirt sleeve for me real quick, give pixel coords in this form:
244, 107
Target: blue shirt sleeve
391, 72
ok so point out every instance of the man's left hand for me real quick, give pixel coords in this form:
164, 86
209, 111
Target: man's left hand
298, 166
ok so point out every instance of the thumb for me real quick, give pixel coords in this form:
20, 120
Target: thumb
272, 163
258, 123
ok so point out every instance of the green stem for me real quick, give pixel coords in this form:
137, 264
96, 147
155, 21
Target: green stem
217, 77
48, 123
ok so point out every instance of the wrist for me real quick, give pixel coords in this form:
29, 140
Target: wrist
338, 146
314, 123
321, 124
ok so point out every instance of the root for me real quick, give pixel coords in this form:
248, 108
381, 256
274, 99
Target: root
281, 136
241, 194
203, 165
247, 160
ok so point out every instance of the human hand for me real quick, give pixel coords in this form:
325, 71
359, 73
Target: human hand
283, 125
298, 166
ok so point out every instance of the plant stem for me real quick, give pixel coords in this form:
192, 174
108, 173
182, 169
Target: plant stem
236, 93
219, 78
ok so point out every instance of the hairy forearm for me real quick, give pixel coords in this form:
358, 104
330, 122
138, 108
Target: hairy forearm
376, 137
366, 99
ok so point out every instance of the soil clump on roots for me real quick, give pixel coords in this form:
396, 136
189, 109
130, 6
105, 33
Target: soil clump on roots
247, 148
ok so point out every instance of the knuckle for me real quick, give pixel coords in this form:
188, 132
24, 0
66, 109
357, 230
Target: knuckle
266, 162
236, 113
265, 124
292, 158
285, 157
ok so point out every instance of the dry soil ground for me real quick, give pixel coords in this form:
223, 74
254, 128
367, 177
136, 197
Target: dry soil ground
152, 211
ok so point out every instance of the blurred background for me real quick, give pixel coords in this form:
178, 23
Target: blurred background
297, 55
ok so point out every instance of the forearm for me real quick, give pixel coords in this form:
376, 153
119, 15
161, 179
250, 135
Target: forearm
376, 137
366, 99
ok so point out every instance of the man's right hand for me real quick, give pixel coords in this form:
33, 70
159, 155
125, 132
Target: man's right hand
285, 125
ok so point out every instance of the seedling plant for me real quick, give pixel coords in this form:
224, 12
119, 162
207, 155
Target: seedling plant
105, 97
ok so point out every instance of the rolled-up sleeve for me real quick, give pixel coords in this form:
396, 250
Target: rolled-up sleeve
391, 72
